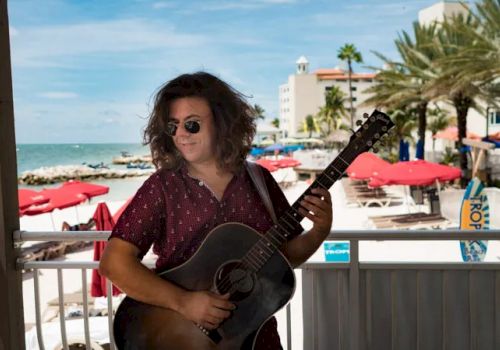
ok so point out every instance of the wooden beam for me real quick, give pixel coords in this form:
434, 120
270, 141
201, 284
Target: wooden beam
478, 144
11, 296
478, 151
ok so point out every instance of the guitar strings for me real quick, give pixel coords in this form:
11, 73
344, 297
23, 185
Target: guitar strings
226, 281
345, 153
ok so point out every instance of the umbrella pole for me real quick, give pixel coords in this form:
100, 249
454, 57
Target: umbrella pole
77, 217
407, 195
52, 220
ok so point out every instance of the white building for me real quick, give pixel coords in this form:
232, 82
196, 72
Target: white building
476, 122
440, 11
304, 93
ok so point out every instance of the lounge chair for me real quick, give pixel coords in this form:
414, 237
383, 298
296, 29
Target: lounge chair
420, 220
364, 196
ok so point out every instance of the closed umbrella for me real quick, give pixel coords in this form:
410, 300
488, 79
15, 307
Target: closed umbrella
419, 153
120, 211
404, 150
104, 222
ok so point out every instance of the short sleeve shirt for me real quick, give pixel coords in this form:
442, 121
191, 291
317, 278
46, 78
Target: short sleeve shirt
174, 212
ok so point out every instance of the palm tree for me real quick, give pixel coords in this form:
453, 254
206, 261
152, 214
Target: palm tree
404, 84
451, 42
276, 123
332, 114
439, 120
258, 112
479, 62
309, 125
349, 53
404, 124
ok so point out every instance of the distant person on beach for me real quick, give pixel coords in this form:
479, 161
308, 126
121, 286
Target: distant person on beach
200, 133
84, 226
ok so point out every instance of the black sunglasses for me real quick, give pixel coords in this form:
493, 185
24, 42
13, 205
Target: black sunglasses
191, 126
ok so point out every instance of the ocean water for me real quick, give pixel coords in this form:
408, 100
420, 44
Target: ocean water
34, 156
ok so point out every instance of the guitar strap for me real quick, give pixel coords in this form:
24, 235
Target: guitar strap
255, 173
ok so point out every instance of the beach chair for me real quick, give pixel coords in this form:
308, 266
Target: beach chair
416, 220
364, 196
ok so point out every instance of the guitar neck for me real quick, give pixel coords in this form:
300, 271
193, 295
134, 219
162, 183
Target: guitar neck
291, 218
376, 126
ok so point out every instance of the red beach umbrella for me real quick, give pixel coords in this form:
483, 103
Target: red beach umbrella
416, 173
365, 166
451, 133
267, 163
88, 189
57, 200
286, 162
29, 197
104, 222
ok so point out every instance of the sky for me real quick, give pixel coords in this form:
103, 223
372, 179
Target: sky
86, 71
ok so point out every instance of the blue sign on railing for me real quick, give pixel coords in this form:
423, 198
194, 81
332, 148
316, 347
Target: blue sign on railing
336, 251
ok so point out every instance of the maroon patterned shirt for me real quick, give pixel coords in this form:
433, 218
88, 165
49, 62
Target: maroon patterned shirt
174, 212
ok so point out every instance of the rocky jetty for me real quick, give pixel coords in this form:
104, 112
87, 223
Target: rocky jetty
61, 173
132, 159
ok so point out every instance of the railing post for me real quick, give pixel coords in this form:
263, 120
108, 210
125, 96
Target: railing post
11, 297
354, 294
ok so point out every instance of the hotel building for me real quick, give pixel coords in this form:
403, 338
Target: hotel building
304, 93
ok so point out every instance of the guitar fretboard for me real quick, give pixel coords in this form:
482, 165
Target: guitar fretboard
378, 124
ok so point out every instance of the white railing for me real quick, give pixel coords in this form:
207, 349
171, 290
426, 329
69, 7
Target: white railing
354, 237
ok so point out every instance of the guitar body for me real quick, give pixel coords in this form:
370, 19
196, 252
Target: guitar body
258, 296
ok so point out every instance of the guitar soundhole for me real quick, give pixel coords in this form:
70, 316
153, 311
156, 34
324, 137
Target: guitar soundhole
234, 278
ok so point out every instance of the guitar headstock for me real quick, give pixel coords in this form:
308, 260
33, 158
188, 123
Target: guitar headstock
369, 132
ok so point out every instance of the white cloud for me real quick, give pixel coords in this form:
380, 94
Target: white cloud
78, 121
162, 5
243, 5
59, 45
58, 95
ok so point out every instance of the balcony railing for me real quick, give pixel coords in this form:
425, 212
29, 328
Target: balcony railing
346, 330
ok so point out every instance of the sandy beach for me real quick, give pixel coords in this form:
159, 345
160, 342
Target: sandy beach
344, 217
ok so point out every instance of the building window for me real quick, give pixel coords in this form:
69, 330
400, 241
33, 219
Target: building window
354, 88
495, 118
328, 88
354, 99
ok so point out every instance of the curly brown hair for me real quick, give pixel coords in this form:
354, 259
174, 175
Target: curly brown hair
233, 120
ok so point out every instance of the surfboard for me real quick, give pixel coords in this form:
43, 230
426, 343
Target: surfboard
474, 215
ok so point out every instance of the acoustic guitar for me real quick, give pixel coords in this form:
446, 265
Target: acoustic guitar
235, 259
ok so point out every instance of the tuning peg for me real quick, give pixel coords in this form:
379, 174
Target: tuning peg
359, 122
358, 134
369, 143
377, 136
384, 128
365, 115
